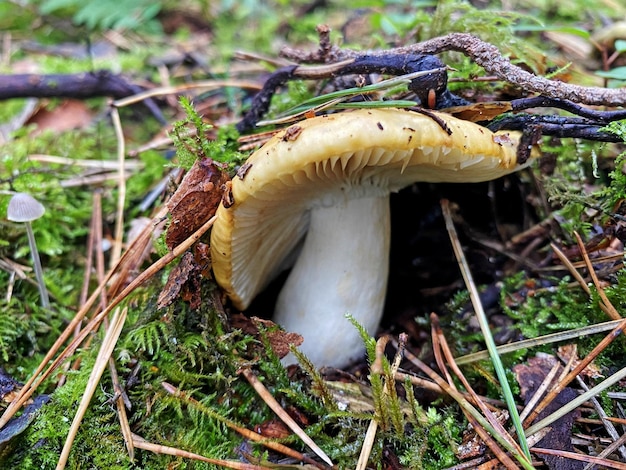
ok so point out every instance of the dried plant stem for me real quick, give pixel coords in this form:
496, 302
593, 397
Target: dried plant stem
541, 340
94, 238
418, 382
108, 344
116, 250
140, 443
540, 391
467, 407
368, 443
440, 346
246, 433
484, 326
449, 359
120, 404
620, 326
571, 268
605, 463
611, 310
180, 88
604, 418
601, 346
282, 414
617, 444
572, 405
135, 165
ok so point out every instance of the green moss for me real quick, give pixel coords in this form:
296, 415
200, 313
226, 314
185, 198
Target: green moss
98, 444
64, 226
566, 307
186, 348
190, 138
433, 444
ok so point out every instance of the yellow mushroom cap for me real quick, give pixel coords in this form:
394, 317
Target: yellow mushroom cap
326, 159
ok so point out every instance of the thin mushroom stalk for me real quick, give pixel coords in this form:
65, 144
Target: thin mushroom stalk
315, 197
24, 208
34, 253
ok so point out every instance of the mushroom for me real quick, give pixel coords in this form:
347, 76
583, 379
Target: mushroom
317, 196
25, 208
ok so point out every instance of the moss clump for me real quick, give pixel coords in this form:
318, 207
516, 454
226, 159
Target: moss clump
190, 349
196, 139
99, 443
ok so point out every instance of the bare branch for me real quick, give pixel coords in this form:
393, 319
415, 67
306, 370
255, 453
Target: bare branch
489, 57
80, 85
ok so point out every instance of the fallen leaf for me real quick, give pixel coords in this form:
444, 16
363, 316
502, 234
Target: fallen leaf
273, 429
565, 353
196, 200
279, 340
69, 115
8, 386
530, 376
480, 111
183, 282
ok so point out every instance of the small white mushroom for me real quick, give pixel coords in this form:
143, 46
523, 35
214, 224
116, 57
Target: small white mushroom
24, 208
318, 198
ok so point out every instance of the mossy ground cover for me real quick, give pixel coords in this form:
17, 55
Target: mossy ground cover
198, 350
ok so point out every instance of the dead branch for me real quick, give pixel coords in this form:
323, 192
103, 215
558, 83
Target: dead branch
488, 57
78, 85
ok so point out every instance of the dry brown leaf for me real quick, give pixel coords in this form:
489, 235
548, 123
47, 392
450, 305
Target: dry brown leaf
530, 376
480, 111
69, 115
196, 200
565, 353
279, 340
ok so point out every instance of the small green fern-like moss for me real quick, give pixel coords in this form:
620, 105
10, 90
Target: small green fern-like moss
98, 443
190, 139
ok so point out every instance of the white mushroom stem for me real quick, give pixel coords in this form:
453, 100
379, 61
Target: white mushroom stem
343, 268
34, 253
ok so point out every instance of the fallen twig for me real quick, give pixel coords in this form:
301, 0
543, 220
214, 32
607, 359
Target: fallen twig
489, 57
282, 414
